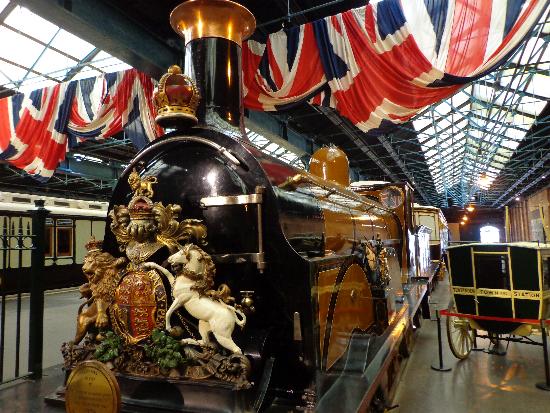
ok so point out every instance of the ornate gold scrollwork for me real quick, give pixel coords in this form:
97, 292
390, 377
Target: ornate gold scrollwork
143, 227
131, 291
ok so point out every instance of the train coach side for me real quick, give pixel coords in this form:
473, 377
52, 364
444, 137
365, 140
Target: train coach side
69, 224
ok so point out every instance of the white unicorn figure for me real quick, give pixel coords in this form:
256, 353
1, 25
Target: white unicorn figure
191, 288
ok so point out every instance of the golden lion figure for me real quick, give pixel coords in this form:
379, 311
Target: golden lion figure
103, 273
142, 187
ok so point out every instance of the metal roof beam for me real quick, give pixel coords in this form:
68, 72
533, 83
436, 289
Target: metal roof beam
109, 30
498, 86
86, 59
7, 10
497, 121
388, 146
90, 170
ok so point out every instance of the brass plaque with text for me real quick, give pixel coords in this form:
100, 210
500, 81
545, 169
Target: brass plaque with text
92, 388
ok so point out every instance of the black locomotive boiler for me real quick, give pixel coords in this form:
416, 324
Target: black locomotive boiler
308, 258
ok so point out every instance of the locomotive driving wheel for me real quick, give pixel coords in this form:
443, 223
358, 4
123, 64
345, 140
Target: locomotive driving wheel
460, 335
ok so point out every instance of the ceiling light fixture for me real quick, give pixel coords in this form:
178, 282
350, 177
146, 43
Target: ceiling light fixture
484, 181
470, 208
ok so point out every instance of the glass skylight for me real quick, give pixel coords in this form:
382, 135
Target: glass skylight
273, 149
468, 138
35, 53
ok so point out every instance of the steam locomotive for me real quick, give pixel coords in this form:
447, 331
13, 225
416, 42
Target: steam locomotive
307, 255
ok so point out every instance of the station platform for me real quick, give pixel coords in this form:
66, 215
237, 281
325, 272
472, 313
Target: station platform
481, 383
27, 396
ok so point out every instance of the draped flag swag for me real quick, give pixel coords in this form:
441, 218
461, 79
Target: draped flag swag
383, 63
376, 65
37, 130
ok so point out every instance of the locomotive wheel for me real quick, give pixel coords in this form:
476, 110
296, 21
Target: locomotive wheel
460, 336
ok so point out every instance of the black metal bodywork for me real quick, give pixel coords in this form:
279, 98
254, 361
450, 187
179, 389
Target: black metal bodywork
188, 169
195, 165
277, 254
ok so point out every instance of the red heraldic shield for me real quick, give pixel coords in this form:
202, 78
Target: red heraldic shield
140, 305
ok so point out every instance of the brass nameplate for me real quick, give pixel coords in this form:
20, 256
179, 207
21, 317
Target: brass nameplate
92, 388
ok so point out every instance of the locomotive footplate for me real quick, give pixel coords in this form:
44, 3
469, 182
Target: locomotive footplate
358, 381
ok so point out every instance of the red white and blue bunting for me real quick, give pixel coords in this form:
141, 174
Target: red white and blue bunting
39, 128
376, 65
381, 64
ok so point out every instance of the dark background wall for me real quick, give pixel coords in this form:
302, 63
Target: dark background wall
476, 219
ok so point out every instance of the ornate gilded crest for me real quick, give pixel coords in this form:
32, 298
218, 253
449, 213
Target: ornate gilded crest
131, 291
143, 226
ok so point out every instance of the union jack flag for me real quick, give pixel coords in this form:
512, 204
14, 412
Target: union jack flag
37, 129
382, 63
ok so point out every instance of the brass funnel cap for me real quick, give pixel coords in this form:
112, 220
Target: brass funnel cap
195, 19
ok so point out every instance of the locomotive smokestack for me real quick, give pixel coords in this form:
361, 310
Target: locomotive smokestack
214, 31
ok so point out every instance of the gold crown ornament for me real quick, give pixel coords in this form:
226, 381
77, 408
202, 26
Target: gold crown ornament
176, 100
93, 245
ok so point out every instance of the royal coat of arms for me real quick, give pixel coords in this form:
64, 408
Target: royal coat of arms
126, 318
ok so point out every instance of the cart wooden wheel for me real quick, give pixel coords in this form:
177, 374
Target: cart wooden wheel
460, 335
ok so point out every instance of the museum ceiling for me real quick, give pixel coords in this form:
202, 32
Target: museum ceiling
487, 144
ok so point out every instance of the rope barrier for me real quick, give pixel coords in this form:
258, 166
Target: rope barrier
543, 323
491, 318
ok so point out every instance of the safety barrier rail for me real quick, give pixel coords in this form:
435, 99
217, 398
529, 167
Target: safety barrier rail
543, 326
12, 246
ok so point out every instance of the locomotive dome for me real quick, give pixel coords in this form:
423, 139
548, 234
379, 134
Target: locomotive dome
332, 164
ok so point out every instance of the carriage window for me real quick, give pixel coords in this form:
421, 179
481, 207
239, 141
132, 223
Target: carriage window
64, 241
489, 234
48, 250
491, 271
546, 272
59, 238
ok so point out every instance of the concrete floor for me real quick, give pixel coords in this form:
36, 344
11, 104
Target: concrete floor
60, 308
481, 383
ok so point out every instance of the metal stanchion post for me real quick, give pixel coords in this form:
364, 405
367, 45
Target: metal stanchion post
440, 367
545, 385
36, 310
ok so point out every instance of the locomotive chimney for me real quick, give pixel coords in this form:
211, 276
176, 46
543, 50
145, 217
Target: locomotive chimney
214, 31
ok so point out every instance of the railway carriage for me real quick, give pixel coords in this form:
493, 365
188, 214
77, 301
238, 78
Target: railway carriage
507, 281
432, 218
70, 223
